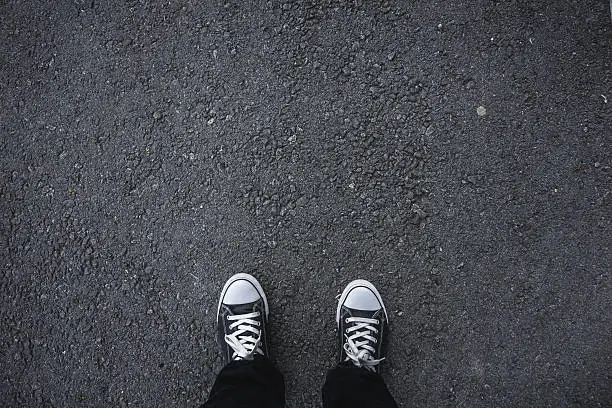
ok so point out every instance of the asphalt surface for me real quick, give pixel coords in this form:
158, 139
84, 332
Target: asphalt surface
457, 154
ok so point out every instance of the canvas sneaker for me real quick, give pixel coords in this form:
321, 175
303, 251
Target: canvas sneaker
242, 318
362, 324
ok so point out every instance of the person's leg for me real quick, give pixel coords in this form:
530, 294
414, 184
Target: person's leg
248, 383
348, 386
362, 324
249, 380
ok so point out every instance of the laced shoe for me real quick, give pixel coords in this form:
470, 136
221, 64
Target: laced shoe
362, 323
242, 317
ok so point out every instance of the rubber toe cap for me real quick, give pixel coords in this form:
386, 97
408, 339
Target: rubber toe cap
362, 298
240, 292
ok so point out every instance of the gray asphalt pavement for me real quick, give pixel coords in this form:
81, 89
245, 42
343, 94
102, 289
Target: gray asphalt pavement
455, 153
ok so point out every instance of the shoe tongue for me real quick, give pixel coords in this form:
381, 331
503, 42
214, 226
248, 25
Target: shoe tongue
244, 308
370, 314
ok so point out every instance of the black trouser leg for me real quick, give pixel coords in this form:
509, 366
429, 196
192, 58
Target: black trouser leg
248, 384
348, 386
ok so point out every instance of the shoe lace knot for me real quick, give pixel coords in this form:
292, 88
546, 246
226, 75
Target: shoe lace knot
360, 343
245, 336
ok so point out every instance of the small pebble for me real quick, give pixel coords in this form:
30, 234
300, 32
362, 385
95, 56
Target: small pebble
481, 111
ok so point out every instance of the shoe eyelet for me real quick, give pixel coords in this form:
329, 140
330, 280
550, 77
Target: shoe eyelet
346, 320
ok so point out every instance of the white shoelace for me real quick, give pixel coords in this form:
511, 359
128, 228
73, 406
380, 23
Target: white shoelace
360, 351
246, 338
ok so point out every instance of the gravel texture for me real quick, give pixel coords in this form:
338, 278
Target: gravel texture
455, 153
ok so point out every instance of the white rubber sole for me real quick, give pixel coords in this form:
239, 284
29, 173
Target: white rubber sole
251, 279
351, 286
